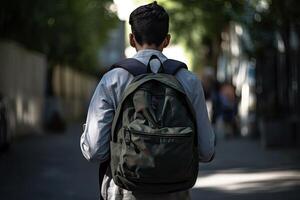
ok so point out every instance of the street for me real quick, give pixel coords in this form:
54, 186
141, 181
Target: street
48, 167
51, 167
242, 169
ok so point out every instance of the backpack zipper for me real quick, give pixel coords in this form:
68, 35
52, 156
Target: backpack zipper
157, 135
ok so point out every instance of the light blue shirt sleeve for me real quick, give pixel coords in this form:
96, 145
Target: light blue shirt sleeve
206, 137
94, 141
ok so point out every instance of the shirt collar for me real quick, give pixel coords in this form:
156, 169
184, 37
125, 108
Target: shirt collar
145, 54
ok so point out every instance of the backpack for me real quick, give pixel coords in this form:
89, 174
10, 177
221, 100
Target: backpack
153, 144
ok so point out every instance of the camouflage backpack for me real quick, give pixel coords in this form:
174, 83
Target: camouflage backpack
154, 143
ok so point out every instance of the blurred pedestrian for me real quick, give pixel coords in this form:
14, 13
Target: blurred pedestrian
226, 121
149, 25
211, 88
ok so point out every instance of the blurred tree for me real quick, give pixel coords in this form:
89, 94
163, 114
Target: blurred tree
270, 35
67, 31
199, 24
275, 32
269, 17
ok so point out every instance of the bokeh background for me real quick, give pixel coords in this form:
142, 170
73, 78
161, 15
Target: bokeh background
246, 53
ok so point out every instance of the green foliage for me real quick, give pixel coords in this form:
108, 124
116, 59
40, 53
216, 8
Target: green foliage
67, 31
199, 23
277, 18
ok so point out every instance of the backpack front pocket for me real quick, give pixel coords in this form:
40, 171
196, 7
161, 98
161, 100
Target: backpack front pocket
157, 155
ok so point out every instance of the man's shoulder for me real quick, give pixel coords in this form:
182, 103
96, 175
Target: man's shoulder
115, 78
187, 75
115, 72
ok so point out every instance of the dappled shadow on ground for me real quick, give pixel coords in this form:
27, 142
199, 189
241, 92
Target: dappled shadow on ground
248, 184
244, 170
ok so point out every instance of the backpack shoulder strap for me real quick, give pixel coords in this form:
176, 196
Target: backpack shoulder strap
173, 66
133, 66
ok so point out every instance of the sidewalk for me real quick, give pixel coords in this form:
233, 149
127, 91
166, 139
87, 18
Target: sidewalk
50, 167
242, 169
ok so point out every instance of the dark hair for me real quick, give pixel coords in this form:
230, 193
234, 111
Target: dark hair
149, 24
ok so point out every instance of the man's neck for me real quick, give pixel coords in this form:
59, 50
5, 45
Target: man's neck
148, 47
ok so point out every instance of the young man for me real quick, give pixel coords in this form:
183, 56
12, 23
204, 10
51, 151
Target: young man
149, 25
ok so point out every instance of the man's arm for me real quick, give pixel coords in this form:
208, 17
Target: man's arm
94, 141
206, 136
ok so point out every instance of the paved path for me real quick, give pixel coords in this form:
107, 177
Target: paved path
47, 167
51, 167
242, 169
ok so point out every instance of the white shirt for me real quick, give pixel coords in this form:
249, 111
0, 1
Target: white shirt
95, 139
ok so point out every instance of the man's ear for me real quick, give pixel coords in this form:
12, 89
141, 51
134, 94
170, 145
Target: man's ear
166, 41
132, 40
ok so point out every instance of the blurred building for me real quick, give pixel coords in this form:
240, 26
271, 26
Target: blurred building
278, 93
114, 49
236, 67
268, 86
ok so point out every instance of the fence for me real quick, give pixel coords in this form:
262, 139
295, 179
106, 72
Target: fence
74, 90
22, 81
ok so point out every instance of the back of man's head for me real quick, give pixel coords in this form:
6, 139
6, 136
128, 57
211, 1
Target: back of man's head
149, 24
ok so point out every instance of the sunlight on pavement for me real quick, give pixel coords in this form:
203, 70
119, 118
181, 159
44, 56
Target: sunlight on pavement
250, 181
